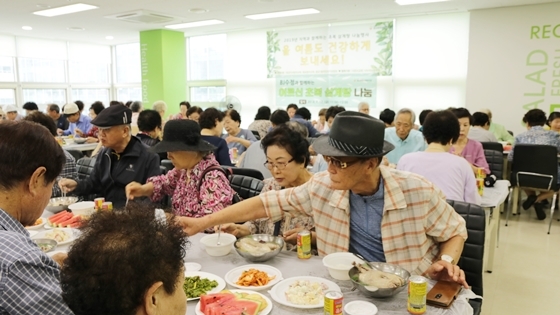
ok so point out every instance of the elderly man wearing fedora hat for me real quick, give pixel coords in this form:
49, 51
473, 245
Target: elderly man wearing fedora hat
124, 159
362, 207
197, 184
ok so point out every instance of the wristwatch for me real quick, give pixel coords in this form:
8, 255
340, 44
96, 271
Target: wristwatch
447, 258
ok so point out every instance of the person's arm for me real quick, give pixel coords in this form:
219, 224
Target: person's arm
163, 184
312, 131
504, 135
69, 171
480, 158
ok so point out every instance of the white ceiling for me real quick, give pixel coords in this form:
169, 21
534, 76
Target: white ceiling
17, 13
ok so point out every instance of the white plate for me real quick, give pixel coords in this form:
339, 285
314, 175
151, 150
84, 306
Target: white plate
278, 292
43, 234
32, 233
36, 227
233, 276
209, 276
192, 266
266, 311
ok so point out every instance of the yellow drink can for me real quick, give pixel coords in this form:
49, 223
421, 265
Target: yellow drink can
480, 185
333, 303
304, 244
417, 292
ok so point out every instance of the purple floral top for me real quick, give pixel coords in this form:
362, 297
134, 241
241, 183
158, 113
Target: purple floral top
214, 195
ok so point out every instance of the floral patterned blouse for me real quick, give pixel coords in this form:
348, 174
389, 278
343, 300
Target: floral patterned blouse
265, 226
214, 195
261, 126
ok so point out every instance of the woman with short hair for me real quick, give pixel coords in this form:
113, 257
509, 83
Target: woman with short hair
211, 125
197, 184
262, 121
237, 137
553, 121
469, 149
193, 113
287, 158
441, 130
149, 126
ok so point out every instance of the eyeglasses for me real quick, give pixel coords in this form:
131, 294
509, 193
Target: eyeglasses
279, 166
339, 163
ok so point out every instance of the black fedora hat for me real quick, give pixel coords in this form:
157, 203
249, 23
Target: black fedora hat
354, 134
182, 135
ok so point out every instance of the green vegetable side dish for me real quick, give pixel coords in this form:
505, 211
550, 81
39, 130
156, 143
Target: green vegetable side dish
195, 286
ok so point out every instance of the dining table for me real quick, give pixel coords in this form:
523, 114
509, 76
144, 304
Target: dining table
84, 147
291, 266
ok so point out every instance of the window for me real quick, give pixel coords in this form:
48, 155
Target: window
7, 69
88, 72
43, 97
129, 94
41, 70
128, 63
7, 97
207, 93
206, 57
88, 96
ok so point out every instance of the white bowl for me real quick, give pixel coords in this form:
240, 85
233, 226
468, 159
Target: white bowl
360, 307
210, 244
339, 264
83, 208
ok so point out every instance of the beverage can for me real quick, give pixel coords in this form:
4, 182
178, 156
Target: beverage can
98, 203
480, 173
417, 292
107, 206
480, 185
304, 244
333, 303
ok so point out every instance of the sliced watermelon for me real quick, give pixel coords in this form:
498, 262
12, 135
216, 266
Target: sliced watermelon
233, 307
249, 307
208, 299
70, 221
61, 213
57, 220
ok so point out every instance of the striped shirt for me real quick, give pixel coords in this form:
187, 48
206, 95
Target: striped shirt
416, 217
29, 279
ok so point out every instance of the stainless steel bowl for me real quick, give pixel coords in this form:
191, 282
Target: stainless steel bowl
46, 244
380, 292
263, 238
80, 140
61, 203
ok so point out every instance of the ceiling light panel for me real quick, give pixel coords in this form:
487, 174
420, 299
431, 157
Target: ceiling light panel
410, 2
279, 14
73, 8
193, 24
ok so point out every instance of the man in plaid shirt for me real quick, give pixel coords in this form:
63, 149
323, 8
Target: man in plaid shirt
362, 207
30, 161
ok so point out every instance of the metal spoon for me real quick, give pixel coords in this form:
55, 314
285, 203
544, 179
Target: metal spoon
219, 234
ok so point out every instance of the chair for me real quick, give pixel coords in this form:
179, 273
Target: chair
167, 164
495, 161
84, 167
496, 146
244, 171
535, 166
472, 257
256, 134
77, 154
246, 186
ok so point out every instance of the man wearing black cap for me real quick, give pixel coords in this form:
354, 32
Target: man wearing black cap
123, 159
363, 207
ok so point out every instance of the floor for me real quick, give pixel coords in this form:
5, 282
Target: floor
526, 274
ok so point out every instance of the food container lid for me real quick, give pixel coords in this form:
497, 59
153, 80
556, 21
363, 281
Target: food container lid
360, 308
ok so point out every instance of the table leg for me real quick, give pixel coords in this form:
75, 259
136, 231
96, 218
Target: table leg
491, 235
515, 200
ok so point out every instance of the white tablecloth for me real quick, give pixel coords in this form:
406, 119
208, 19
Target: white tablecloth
493, 197
291, 266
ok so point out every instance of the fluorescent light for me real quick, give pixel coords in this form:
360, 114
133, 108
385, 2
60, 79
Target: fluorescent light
194, 24
73, 8
26, 28
273, 15
409, 2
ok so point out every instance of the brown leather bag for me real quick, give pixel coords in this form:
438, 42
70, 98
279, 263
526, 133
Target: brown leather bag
443, 294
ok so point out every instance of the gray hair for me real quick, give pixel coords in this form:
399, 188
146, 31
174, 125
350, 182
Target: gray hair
159, 106
363, 104
487, 112
408, 111
298, 127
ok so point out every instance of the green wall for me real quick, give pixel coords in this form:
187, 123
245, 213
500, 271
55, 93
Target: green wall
164, 67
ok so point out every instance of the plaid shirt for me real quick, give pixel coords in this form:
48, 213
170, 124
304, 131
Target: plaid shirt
416, 217
29, 279
69, 171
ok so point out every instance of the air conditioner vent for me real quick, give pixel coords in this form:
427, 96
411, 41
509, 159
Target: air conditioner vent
142, 16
